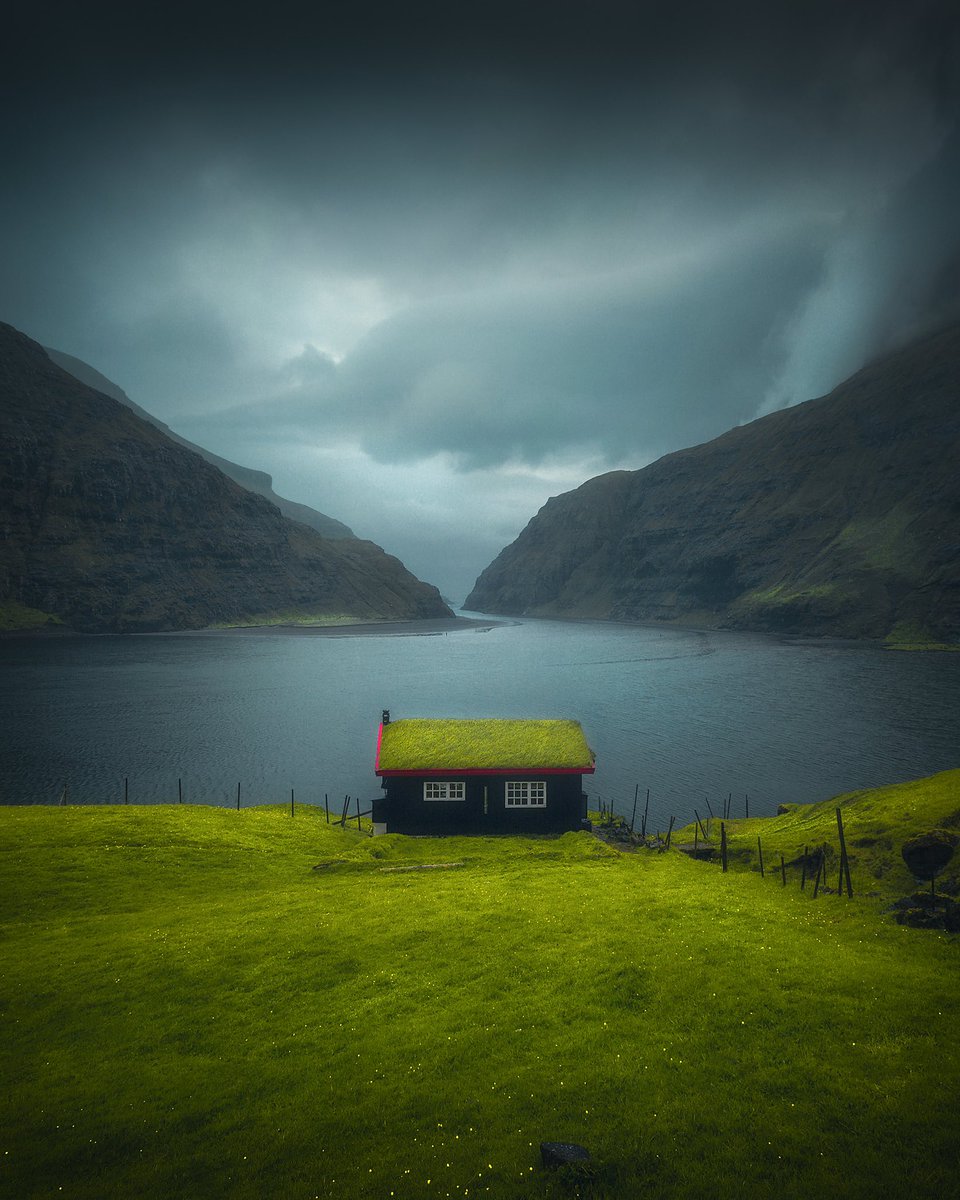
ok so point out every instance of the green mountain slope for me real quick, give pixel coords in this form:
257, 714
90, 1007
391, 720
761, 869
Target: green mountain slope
254, 481
109, 526
837, 517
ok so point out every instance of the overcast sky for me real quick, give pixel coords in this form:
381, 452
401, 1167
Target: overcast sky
429, 265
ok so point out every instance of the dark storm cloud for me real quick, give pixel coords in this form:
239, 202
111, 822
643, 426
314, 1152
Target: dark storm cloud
615, 365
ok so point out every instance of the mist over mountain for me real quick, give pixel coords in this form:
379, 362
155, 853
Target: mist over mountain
840, 516
110, 526
254, 481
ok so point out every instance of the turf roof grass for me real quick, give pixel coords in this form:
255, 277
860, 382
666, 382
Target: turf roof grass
447, 744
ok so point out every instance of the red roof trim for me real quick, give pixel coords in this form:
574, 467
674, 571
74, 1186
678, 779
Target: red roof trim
447, 772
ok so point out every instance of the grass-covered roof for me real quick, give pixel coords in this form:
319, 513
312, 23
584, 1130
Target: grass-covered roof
423, 744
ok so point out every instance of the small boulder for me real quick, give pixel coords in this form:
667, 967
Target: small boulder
561, 1154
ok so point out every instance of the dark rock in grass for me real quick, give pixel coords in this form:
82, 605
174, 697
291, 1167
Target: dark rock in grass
561, 1154
924, 910
928, 853
702, 852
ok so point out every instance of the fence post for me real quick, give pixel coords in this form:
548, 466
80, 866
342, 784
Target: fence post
844, 861
760, 852
723, 845
820, 866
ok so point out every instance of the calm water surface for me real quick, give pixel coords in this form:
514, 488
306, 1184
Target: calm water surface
691, 716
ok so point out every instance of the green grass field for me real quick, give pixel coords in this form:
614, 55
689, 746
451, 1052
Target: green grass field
191, 1010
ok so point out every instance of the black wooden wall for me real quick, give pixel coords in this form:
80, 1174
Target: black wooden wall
403, 809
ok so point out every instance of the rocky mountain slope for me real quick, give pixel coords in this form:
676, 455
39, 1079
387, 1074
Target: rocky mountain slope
254, 481
109, 526
838, 517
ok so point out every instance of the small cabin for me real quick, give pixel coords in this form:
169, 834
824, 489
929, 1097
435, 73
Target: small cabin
481, 776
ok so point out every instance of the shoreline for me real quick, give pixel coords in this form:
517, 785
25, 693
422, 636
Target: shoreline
426, 627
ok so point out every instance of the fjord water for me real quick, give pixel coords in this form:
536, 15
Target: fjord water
692, 716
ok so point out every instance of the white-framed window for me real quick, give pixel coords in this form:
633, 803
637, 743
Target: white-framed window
528, 794
436, 790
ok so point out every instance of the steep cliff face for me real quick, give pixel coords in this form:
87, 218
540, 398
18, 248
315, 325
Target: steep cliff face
254, 481
838, 517
108, 525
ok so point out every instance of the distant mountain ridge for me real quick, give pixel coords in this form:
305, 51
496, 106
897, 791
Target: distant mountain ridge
107, 525
254, 481
838, 517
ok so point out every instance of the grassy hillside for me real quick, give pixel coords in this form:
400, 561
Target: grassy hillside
875, 824
192, 1010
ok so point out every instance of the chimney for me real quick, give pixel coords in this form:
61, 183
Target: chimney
385, 719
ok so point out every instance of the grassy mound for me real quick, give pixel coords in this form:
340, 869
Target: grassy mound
191, 1009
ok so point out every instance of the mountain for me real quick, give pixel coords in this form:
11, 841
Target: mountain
837, 517
254, 481
109, 526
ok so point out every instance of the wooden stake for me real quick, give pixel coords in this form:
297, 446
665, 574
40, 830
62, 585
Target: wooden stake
816, 884
723, 845
746, 805
179, 791
358, 814
803, 873
126, 790
844, 861
709, 809
238, 797
669, 831
700, 823
636, 794
646, 809
760, 852
291, 802
326, 807
783, 870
